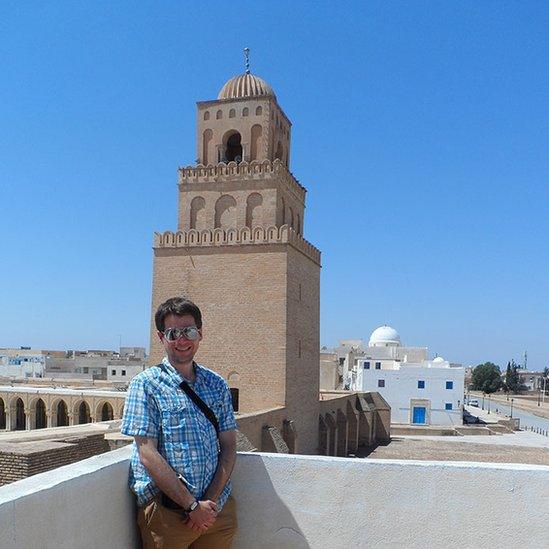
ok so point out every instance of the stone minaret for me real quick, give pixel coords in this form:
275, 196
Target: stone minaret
240, 255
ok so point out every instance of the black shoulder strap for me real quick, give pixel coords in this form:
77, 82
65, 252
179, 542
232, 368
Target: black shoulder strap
206, 410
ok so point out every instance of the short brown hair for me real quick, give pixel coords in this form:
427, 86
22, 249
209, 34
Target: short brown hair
179, 306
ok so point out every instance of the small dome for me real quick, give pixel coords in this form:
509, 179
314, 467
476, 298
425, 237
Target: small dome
384, 336
438, 360
245, 85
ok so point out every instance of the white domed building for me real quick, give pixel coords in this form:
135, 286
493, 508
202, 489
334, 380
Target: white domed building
420, 391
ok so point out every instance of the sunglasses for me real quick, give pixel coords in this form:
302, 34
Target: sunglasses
190, 332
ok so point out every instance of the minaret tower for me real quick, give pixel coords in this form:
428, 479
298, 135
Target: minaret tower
240, 255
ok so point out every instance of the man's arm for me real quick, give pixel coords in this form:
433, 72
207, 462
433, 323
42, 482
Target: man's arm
166, 479
225, 464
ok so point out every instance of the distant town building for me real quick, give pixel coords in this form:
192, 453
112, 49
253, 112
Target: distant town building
21, 363
100, 365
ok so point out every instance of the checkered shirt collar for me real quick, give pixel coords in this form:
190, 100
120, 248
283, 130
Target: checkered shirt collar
177, 378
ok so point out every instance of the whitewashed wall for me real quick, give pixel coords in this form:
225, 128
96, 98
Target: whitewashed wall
299, 502
401, 387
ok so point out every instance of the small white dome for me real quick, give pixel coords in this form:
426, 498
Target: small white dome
438, 360
384, 336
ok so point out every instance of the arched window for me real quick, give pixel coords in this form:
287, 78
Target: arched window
290, 219
234, 383
279, 151
282, 212
255, 141
40, 419
62, 414
245, 111
2, 414
107, 413
219, 114
207, 115
259, 110
84, 413
198, 209
225, 212
232, 113
233, 147
19, 415
234, 397
253, 208
207, 137
298, 225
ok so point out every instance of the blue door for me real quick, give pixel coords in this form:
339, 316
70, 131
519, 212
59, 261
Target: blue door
418, 414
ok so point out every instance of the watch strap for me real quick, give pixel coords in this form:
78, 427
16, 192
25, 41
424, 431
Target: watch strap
193, 506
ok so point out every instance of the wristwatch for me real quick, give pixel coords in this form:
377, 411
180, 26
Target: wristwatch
193, 506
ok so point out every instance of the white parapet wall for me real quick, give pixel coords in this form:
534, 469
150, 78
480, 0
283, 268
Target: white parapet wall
83, 505
289, 501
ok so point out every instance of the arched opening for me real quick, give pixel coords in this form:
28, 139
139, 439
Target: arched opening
84, 413
198, 209
225, 212
207, 115
234, 397
2, 414
40, 420
207, 137
62, 414
279, 151
290, 219
298, 225
234, 382
245, 111
219, 114
259, 111
107, 413
255, 141
19, 415
232, 113
282, 212
233, 148
253, 208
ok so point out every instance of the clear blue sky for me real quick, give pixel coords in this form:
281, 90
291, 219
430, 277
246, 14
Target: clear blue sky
420, 130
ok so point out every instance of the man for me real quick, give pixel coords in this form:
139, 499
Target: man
180, 466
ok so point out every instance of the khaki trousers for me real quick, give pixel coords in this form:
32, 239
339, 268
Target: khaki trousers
163, 528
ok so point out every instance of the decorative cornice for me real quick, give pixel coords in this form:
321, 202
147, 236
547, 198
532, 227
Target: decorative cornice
255, 170
236, 237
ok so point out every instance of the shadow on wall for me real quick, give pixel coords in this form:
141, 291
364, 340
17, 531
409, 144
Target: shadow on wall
264, 520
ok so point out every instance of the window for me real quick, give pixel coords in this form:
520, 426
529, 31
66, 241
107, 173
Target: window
113, 372
366, 365
381, 383
421, 384
341, 361
232, 113
207, 115
123, 372
245, 111
449, 385
259, 111
448, 406
378, 365
219, 114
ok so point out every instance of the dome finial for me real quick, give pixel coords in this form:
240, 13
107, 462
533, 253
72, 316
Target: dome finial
247, 57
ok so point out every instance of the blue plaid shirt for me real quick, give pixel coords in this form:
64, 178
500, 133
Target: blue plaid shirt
157, 407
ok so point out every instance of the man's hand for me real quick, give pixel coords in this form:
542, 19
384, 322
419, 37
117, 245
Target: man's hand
203, 516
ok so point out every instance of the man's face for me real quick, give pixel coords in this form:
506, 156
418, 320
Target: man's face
182, 350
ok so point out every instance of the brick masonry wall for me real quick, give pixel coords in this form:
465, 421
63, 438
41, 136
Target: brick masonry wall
21, 460
242, 294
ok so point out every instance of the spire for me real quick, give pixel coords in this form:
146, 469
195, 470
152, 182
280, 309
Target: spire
247, 57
